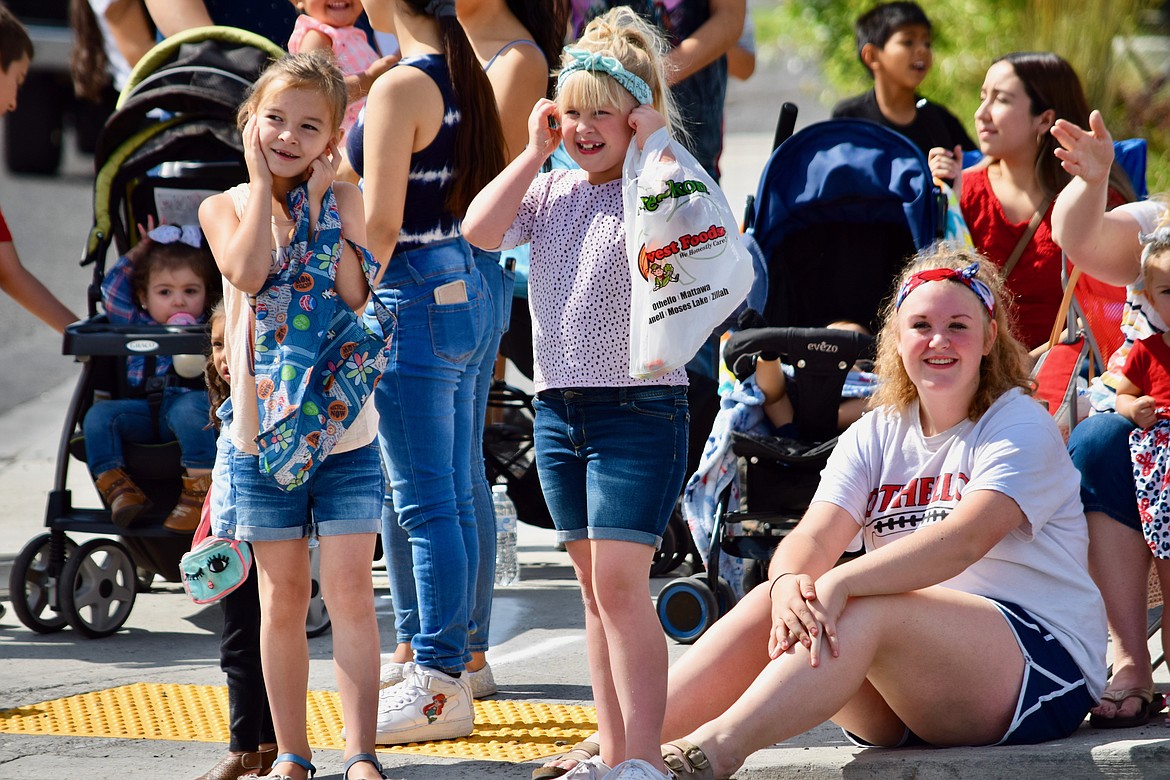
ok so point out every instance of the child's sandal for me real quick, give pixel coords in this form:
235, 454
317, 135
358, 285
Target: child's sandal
359, 758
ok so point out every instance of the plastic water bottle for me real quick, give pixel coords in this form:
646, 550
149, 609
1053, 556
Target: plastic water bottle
507, 564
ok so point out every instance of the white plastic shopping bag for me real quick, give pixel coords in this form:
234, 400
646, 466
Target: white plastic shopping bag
689, 269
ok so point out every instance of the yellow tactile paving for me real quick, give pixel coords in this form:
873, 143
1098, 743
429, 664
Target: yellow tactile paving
505, 730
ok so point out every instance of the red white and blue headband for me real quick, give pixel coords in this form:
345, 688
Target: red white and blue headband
595, 62
964, 276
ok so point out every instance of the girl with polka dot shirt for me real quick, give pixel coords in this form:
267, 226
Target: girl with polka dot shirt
611, 449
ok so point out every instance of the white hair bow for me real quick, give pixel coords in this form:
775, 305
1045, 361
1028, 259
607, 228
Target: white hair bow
190, 235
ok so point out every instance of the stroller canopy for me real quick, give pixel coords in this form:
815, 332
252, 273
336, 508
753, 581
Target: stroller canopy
839, 207
205, 71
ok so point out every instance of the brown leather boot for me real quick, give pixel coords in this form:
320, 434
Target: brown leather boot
234, 764
184, 518
125, 499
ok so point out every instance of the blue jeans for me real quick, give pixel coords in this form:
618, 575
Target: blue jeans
499, 283
611, 459
426, 405
1099, 448
183, 416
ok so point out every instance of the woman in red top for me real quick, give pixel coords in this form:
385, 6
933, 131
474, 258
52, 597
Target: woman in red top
1022, 96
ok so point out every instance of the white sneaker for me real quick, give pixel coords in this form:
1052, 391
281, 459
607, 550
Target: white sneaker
483, 683
427, 705
390, 673
635, 769
590, 769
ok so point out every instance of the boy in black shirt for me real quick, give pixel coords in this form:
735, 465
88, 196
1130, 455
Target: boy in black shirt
894, 45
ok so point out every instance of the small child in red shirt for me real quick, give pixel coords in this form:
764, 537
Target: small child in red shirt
1143, 395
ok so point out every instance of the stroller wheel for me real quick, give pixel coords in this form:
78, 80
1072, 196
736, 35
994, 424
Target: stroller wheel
317, 620
33, 590
97, 587
686, 608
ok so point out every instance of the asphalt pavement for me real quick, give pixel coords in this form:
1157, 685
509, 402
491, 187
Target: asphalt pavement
537, 633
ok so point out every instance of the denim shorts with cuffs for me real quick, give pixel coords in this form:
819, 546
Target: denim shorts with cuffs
611, 459
1099, 448
344, 496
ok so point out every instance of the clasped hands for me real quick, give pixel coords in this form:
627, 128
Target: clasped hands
806, 613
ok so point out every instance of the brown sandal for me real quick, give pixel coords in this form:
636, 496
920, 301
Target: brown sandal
582, 751
1151, 704
687, 761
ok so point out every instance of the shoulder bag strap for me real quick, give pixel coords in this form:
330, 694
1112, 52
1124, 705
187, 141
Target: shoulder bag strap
1022, 244
1062, 313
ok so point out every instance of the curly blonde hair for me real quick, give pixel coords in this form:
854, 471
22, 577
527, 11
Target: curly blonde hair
1005, 367
640, 48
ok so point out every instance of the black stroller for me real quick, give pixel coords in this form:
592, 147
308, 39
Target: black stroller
147, 167
840, 207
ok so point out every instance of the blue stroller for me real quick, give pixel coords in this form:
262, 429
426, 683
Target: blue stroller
840, 207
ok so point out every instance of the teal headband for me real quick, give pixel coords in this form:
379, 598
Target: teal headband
600, 63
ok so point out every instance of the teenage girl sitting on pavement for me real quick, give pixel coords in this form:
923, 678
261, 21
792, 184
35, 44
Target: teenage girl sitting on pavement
971, 619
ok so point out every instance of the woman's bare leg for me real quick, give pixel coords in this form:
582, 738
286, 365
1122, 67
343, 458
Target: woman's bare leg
715, 672
897, 643
1119, 561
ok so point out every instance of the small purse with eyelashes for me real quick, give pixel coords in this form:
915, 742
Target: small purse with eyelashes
214, 567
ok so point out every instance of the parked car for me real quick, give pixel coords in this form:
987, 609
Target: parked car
34, 132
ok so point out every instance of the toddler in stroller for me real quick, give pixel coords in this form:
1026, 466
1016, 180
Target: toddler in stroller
168, 278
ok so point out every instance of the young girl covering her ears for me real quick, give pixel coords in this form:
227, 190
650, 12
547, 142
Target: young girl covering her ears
611, 449
292, 215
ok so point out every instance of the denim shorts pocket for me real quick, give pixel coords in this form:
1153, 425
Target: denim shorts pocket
669, 408
453, 330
